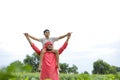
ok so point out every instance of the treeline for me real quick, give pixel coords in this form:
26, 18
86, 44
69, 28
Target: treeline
99, 66
102, 67
31, 63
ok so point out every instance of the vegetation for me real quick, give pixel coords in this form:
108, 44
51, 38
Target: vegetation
101, 67
17, 66
33, 61
5, 75
28, 71
35, 76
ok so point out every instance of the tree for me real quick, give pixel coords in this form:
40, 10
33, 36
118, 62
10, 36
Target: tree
73, 69
85, 72
5, 75
66, 69
113, 69
17, 66
33, 61
101, 67
118, 69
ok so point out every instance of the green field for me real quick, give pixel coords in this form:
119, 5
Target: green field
35, 76
5, 75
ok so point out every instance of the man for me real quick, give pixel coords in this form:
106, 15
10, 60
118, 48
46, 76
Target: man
49, 69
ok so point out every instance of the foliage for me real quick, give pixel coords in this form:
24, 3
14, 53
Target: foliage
101, 67
5, 75
85, 72
35, 76
17, 66
66, 69
73, 69
113, 69
118, 69
32, 60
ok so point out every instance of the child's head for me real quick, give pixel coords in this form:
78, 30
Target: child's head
46, 32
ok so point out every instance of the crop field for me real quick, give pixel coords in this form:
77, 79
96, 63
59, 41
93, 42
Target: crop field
35, 76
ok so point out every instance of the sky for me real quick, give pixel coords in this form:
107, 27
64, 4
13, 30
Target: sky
94, 25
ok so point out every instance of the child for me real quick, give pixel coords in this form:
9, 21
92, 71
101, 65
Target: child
43, 41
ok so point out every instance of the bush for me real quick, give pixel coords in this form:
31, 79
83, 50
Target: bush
5, 75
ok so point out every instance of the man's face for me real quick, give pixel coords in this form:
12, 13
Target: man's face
49, 47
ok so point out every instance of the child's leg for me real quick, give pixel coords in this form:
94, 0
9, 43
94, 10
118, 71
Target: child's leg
40, 64
41, 58
57, 57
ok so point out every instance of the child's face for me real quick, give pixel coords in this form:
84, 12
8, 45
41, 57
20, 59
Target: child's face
47, 33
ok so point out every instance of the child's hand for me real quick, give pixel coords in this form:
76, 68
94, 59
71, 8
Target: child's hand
69, 33
55, 51
44, 50
26, 34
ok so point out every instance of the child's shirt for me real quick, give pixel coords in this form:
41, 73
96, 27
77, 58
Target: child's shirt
44, 40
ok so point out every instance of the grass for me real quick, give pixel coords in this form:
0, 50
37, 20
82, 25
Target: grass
30, 76
35, 76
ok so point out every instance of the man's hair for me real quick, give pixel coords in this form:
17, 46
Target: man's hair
46, 30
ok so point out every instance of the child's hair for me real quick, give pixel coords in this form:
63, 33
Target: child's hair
46, 30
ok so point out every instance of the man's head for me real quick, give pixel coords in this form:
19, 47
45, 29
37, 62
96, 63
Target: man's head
49, 46
46, 33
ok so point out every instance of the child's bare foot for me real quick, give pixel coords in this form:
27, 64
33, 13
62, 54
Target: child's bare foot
39, 68
58, 66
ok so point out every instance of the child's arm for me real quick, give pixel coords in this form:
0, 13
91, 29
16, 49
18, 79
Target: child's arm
60, 37
34, 38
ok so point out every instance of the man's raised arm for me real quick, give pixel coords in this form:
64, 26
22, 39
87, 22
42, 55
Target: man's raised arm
65, 44
32, 44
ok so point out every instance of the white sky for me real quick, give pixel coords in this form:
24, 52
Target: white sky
94, 23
